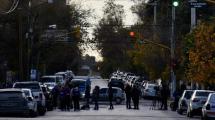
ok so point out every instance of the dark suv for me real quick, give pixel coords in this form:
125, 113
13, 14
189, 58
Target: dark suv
14, 101
37, 94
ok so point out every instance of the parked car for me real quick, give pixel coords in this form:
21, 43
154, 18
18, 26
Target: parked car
197, 101
118, 95
14, 101
37, 93
184, 101
149, 90
48, 96
81, 83
32, 103
63, 74
114, 82
208, 110
51, 81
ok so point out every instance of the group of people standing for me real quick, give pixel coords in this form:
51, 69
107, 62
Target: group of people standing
132, 93
66, 97
95, 97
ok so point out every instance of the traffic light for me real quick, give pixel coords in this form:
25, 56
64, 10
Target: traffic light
175, 3
132, 34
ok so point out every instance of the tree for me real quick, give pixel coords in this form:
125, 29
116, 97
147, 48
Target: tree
59, 56
52, 55
111, 38
201, 67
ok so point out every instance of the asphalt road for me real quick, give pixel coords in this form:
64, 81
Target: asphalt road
119, 113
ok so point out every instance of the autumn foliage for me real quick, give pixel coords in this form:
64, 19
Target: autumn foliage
201, 67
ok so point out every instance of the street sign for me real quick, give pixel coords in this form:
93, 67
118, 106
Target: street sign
33, 74
197, 3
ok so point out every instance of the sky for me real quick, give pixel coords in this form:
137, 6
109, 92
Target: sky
97, 6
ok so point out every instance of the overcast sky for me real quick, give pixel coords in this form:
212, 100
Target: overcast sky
97, 6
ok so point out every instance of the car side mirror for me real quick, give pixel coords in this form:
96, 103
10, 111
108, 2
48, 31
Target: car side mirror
30, 98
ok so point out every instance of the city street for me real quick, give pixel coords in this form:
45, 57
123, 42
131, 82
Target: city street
119, 113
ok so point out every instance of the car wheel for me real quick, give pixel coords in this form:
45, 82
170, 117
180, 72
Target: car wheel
42, 111
118, 100
33, 113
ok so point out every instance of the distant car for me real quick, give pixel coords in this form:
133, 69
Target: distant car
115, 82
197, 101
81, 83
37, 93
208, 110
51, 81
32, 103
184, 101
149, 90
14, 101
118, 95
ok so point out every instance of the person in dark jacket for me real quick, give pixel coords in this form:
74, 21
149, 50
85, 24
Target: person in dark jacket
62, 98
96, 97
164, 96
128, 96
76, 98
87, 96
110, 96
55, 93
135, 96
67, 97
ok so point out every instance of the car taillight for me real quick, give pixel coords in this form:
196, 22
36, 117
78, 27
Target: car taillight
41, 96
195, 100
208, 107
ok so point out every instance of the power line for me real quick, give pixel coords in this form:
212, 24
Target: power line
12, 8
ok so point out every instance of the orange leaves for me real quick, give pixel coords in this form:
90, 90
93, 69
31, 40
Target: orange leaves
202, 55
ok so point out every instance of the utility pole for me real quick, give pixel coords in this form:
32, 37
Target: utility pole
29, 37
172, 52
155, 20
193, 17
193, 25
21, 77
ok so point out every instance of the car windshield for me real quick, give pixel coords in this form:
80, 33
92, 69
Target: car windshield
203, 94
33, 86
188, 94
151, 86
47, 79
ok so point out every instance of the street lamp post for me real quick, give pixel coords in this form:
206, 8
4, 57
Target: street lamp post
172, 50
30, 36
